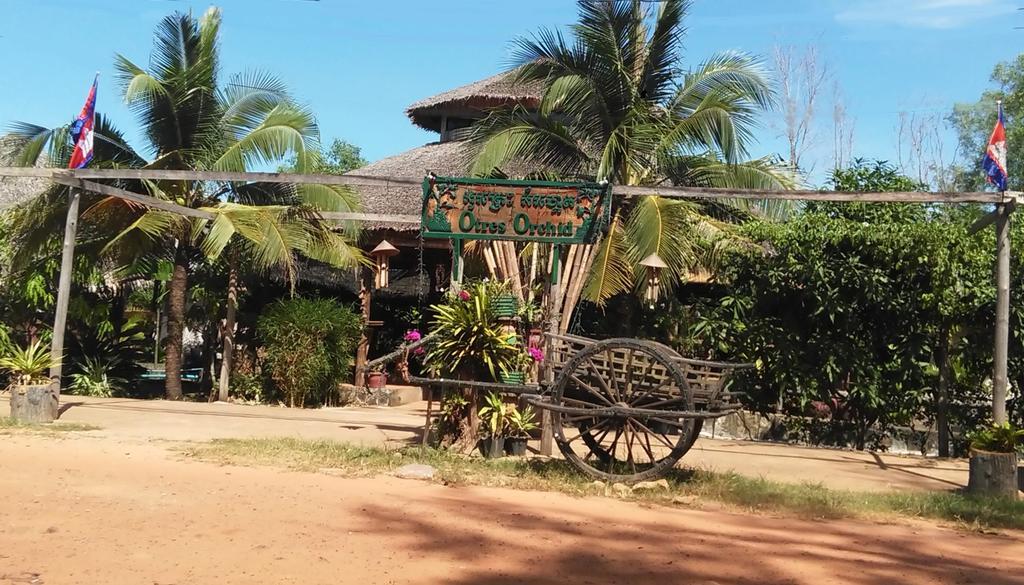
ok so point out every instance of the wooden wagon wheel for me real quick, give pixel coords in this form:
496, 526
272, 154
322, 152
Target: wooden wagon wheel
616, 410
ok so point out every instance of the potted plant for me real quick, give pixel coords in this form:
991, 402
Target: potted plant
993, 463
521, 365
503, 303
493, 424
530, 314
376, 380
32, 399
520, 424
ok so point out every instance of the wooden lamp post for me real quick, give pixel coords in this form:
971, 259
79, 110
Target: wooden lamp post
382, 262
654, 265
381, 265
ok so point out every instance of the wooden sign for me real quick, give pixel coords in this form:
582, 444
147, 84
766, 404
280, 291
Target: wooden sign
494, 209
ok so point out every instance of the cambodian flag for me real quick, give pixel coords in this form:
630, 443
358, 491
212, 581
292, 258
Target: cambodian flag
995, 156
82, 131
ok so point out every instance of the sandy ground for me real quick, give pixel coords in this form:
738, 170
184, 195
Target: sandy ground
90, 509
147, 420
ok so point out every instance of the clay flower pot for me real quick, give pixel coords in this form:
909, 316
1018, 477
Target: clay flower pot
376, 380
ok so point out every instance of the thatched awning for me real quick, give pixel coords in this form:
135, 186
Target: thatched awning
470, 100
16, 190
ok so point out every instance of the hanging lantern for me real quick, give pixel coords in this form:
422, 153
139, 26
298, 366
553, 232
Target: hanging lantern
654, 265
382, 262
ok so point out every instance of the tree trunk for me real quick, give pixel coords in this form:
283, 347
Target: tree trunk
34, 403
942, 394
993, 474
363, 348
224, 381
174, 347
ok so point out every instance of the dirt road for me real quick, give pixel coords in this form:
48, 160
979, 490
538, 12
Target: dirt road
88, 510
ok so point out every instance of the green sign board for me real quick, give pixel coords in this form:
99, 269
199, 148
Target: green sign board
495, 209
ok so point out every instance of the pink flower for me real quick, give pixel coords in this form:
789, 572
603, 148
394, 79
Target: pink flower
418, 351
464, 295
413, 336
536, 354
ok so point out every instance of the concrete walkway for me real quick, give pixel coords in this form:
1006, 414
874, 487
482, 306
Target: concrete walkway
160, 420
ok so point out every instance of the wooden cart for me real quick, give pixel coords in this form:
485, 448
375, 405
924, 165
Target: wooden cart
629, 409
622, 409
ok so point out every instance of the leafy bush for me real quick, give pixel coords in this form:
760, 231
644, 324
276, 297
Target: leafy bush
248, 387
107, 346
470, 340
28, 365
308, 346
998, 438
96, 377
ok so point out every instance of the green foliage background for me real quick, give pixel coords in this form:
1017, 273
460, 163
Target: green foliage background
308, 345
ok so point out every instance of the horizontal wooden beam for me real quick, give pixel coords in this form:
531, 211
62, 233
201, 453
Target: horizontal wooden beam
374, 217
808, 195
666, 191
218, 176
136, 197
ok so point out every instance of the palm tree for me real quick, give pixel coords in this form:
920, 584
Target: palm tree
617, 106
192, 121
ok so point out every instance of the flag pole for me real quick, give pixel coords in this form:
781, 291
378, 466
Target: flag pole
1002, 333
67, 260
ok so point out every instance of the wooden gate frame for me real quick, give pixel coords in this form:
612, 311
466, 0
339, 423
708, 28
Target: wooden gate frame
84, 180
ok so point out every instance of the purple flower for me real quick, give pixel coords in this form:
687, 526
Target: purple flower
464, 295
413, 336
536, 354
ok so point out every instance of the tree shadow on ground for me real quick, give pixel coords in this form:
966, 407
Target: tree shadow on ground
504, 537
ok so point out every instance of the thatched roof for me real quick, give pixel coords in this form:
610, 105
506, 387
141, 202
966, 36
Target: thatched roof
470, 100
14, 190
443, 158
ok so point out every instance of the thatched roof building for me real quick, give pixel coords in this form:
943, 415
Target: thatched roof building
450, 114
15, 190
448, 111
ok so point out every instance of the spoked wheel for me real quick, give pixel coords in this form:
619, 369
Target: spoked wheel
615, 410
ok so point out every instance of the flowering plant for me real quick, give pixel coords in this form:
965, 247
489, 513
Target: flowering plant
412, 336
535, 354
464, 295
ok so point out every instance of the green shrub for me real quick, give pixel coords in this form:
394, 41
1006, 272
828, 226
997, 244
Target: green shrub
249, 387
28, 365
96, 377
470, 339
308, 345
998, 438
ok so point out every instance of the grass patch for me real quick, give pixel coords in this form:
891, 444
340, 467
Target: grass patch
10, 426
685, 486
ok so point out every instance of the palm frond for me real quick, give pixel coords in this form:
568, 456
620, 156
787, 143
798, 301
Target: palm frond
285, 130
612, 271
665, 227
517, 136
152, 225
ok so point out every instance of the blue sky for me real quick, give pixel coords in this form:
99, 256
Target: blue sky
359, 63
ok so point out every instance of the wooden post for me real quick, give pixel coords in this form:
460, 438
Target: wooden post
60, 318
363, 349
999, 367
457, 264
547, 431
